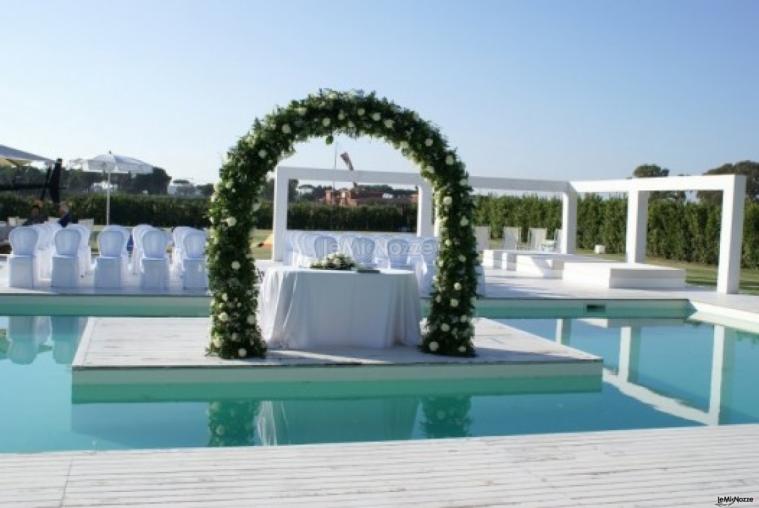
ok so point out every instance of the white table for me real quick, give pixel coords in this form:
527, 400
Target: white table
301, 308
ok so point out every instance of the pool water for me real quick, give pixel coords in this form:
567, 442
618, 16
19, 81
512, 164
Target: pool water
657, 373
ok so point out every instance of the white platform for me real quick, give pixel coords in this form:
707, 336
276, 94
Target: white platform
624, 275
549, 265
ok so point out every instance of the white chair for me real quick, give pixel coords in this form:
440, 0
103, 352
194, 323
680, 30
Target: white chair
344, 245
362, 251
154, 272
398, 254
426, 268
44, 250
67, 259
535, 238
193, 265
178, 235
137, 234
482, 234
85, 253
111, 263
511, 237
23, 270
324, 245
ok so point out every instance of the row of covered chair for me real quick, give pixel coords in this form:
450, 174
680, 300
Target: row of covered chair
387, 251
63, 256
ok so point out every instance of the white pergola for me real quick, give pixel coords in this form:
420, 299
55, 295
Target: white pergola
733, 188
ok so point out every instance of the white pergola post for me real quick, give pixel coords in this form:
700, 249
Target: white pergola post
637, 226
563, 330
568, 238
629, 346
279, 219
424, 210
731, 236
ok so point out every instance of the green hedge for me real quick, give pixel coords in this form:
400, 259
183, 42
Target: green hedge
677, 230
683, 231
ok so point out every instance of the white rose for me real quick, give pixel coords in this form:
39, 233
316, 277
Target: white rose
360, 111
448, 243
251, 319
438, 299
262, 153
224, 297
448, 200
341, 115
449, 160
234, 337
326, 122
473, 300
463, 182
242, 352
462, 258
445, 327
464, 318
228, 185
404, 145
351, 124
457, 286
231, 221
235, 265
462, 349
434, 346
376, 117
464, 221
388, 123
428, 142
286, 129
217, 342
302, 111
223, 317
454, 302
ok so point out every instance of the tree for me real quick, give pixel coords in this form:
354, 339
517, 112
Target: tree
748, 168
652, 170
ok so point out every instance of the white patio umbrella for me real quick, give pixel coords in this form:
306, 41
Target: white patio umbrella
111, 163
13, 157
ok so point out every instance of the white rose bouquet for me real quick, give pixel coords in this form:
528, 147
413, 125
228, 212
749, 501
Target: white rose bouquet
334, 261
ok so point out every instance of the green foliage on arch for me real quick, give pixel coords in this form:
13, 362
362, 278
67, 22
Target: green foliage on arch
235, 332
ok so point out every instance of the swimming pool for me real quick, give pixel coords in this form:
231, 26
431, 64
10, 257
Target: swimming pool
658, 372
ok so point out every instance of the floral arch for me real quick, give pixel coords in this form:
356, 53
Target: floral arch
232, 273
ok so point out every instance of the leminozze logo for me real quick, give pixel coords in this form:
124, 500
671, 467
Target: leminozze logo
731, 500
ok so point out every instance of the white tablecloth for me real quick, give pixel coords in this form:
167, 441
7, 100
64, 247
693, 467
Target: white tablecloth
304, 308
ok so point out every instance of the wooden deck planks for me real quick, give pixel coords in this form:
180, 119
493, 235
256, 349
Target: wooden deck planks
660, 467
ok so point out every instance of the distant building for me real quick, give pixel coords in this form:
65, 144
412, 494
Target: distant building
103, 187
182, 188
359, 196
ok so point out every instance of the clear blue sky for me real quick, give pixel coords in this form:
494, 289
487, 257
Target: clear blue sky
542, 89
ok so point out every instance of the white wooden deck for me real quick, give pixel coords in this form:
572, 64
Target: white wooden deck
661, 467
173, 349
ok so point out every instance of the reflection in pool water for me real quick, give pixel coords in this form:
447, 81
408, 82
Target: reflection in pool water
656, 374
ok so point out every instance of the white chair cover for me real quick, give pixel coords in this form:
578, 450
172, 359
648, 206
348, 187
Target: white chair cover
154, 273
23, 270
111, 264
194, 274
44, 250
398, 253
85, 259
178, 235
67, 259
362, 251
324, 245
137, 234
426, 269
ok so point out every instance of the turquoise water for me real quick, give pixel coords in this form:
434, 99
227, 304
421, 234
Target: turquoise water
658, 373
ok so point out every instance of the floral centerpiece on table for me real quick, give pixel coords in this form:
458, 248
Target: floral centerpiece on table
334, 261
